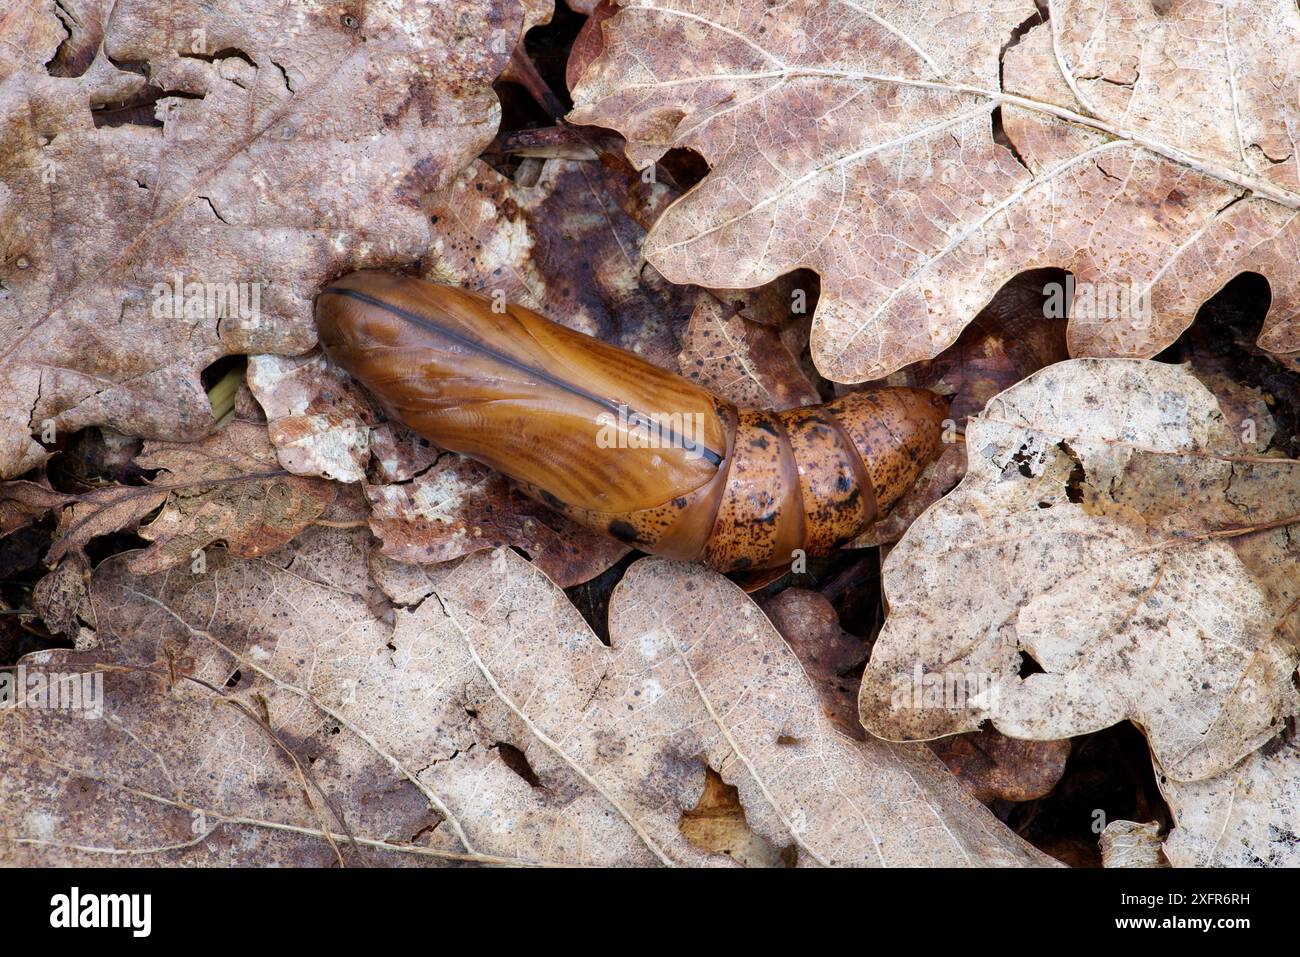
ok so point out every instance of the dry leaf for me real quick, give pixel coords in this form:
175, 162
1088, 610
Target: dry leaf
228, 488
811, 627
590, 39
62, 598
1248, 816
1129, 844
319, 420
103, 511
241, 498
262, 149
458, 507
998, 768
1112, 528
251, 716
741, 360
23, 502
917, 156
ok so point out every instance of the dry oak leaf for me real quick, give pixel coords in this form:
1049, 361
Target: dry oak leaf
459, 506
744, 361
1130, 844
227, 487
1248, 816
919, 155
255, 717
245, 152
1113, 528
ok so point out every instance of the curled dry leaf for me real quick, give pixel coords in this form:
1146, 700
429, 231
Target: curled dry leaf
252, 717
1113, 529
62, 600
590, 39
23, 502
919, 155
227, 487
1129, 844
241, 498
252, 156
318, 419
998, 768
102, 511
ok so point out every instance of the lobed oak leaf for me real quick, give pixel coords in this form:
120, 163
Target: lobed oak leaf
1112, 528
183, 177
917, 156
252, 716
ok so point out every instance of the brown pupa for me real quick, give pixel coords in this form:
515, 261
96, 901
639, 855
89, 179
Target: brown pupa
620, 445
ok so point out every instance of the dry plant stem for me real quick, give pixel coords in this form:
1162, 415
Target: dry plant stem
521, 70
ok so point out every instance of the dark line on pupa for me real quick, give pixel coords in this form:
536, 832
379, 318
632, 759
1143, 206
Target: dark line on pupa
632, 416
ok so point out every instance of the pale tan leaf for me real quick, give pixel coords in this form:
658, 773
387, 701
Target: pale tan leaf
251, 716
1248, 816
319, 420
1129, 844
1112, 528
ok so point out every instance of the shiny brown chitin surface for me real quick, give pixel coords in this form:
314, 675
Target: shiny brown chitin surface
567, 417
